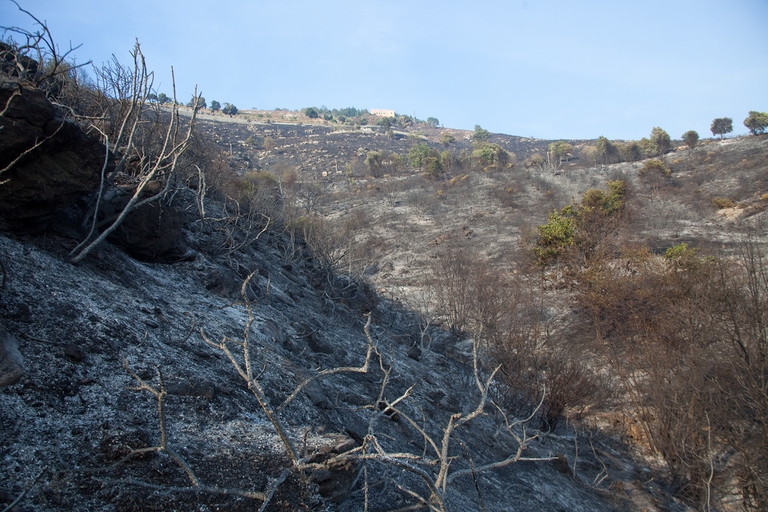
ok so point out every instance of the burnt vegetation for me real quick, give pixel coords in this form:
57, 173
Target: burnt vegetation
412, 311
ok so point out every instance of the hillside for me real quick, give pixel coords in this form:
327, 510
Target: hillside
225, 313
113, 400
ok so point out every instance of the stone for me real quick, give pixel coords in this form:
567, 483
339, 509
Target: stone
314, 392
74, 352
152, 232
11, 361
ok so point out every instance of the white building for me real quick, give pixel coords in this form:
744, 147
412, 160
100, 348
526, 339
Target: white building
381, 112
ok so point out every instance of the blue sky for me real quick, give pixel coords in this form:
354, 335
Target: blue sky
547, 69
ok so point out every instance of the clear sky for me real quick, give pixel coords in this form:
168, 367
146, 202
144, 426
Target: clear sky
548, 69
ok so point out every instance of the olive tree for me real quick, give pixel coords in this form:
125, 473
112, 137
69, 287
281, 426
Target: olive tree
757, 122
721, 126
606, 151
691, 137
661, 139
559, 150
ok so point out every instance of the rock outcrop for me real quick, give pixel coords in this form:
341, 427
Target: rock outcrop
47, 161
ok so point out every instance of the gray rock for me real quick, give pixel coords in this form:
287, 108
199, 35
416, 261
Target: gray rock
11, 361
314, 392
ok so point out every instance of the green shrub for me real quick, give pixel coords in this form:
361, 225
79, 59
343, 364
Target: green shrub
490, 156
556, 236
654, 165
722, 202
581, 226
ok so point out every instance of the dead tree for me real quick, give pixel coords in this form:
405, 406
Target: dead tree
148, 164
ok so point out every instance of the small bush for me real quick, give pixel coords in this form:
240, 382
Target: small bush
722, 202
654, 165
490, 156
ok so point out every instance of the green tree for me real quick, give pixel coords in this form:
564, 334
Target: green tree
433, 122
605, 151
229, 109
662, 140
448, 139
162, 98
417, 154
648, 147
433, 167
490, 156
215, 105
197, 102
559, 150
447, 160
423, 157
691, 137
630, 151
311, 113
386, 122
374, 161
721, 126
757, 122
480, 135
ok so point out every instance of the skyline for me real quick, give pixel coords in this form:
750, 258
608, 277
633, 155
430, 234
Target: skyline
549, 70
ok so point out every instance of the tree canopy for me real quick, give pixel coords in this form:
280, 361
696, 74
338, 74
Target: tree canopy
374, 162
757, 122
605, 150
480, 135
558, 150
630, 151
661, 139
691, 137
721, 126
425, 158
215, 105
229, 109
490, 156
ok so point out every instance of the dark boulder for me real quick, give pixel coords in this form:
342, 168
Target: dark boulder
152, 232
48, 160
